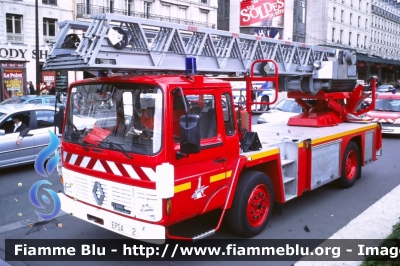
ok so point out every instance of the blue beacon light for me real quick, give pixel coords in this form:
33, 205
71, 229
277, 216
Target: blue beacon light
191, 67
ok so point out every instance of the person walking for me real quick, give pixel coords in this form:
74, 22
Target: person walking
52, 90
31, 88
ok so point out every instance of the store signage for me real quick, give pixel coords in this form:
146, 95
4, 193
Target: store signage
262, 13
25, 53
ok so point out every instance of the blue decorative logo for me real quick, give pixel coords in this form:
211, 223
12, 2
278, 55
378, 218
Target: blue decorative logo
46, 171
35, 201
44, 154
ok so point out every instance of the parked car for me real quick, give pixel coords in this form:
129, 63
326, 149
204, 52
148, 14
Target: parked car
387, 111
32, 99
39, 118
284, 109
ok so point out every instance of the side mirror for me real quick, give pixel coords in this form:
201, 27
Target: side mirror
2, 132
189, 134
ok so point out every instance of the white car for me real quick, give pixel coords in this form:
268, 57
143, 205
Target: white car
283, 110
39, 119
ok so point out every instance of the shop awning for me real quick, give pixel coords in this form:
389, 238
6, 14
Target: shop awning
367, 58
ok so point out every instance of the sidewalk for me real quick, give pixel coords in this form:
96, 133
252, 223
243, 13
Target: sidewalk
374, 223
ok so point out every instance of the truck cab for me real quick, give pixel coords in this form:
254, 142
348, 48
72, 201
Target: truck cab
120, 128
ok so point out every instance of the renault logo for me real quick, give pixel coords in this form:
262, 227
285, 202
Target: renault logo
99, 199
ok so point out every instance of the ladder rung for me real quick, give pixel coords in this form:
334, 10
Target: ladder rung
287, 179
289, 197
286, 162
204, 235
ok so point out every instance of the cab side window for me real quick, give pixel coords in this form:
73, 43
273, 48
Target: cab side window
228, 114
202, 105
45, 119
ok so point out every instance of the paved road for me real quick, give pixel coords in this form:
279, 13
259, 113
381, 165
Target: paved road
324, 211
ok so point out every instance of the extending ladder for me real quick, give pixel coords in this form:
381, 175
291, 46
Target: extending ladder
123, 43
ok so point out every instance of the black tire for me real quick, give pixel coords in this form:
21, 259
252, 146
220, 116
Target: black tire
248, 204
264, 107
351, 165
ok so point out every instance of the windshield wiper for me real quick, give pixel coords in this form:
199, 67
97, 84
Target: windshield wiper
122, 150
113, 145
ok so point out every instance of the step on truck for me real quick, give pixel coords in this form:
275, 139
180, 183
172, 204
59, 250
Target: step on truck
156, 138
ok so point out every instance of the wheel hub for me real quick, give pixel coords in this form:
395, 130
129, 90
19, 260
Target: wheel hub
258, 205
351, 165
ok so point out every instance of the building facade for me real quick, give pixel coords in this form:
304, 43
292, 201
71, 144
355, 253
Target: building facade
201, 13
369, 27
18, 38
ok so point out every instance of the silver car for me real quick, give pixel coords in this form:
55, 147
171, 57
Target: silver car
39, 118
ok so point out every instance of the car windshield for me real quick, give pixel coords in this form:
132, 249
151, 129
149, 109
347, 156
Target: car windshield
13, 100
388, 105
288, 106
2, 115
123, 116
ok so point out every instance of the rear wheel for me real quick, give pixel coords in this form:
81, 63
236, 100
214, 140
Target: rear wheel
252, 204
351, 165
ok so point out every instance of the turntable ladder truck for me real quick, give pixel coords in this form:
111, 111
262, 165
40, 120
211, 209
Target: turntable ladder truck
156, 139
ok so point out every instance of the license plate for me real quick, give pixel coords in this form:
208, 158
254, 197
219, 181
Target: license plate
125, 229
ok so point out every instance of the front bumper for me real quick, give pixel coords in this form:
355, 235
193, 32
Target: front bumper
390, 129
128, 227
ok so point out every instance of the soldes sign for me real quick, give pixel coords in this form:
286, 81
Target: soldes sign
255, 12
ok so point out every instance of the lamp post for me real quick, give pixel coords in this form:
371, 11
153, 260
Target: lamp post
37, 46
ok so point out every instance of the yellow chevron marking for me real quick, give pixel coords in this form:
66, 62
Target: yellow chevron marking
182, 187
263, 154
221, 176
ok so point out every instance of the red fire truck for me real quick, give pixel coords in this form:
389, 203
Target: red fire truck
156, 139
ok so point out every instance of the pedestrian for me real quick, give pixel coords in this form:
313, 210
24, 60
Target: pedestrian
43, 89
31, 88
52, 90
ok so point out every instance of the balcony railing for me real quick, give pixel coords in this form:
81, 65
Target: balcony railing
87, 11
15, 38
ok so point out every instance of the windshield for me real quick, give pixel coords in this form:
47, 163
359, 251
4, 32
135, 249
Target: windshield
122, 116
390, 105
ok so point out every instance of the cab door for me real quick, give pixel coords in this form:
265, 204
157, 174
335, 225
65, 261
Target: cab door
199, 178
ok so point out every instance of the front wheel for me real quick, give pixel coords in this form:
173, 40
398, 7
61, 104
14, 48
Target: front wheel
252, 204
351, 165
